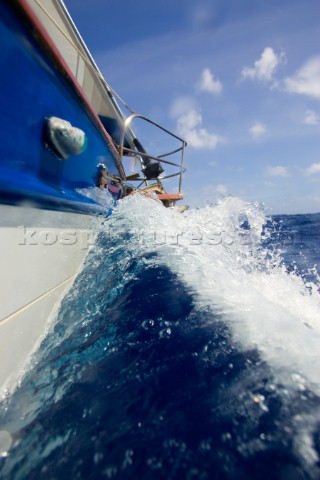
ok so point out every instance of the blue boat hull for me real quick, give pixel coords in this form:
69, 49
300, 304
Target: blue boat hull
48, 215
34, 87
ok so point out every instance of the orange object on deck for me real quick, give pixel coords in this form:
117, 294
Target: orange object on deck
172, 197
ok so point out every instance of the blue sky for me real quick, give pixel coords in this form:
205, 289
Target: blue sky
238, 79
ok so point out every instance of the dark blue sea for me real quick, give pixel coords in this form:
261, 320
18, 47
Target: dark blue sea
188, 348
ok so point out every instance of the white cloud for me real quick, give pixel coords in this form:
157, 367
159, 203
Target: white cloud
257, 130
189, 121
189, 127
270, 184
208, 82
181, 106
311, 118
313, 198
305, 81
314, 168
201, 138
277, 171
265, 67
221, 189
214, 189
202, 15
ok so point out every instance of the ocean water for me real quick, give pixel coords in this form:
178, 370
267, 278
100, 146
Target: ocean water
188, 348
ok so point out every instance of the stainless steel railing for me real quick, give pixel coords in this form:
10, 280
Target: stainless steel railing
160, 158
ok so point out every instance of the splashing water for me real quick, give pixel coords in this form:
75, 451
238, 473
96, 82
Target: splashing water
187, 348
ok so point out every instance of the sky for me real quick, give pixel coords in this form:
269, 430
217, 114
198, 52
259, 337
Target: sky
238, 79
